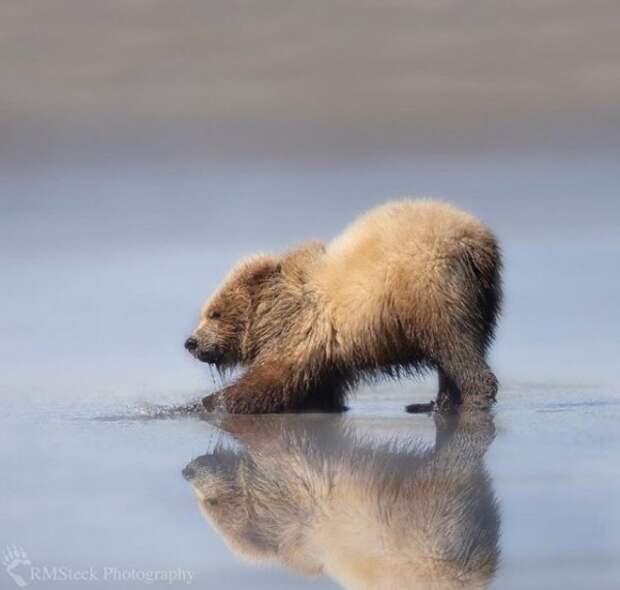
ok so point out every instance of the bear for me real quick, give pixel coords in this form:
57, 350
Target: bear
317, 493
412, 285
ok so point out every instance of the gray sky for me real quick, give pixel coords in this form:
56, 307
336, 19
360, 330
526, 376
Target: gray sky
307, 78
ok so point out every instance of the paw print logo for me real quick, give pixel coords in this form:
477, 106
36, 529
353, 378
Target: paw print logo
13, 558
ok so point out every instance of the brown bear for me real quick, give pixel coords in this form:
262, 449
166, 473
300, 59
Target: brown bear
411, 285
321, 494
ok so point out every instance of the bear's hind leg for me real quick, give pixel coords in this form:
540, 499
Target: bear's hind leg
448, 396
468, 378
447, 401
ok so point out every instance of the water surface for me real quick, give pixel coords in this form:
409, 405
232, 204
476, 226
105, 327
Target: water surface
530, 495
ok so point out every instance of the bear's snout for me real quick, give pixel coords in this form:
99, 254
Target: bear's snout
191, 344
211, 354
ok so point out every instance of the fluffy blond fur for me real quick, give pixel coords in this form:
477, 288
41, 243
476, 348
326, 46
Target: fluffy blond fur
410, 285
309, 493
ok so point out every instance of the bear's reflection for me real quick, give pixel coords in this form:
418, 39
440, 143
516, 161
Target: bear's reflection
310, 493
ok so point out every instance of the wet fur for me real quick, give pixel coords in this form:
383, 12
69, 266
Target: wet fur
410, 286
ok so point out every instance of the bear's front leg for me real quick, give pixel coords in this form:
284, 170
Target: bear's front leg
265, 388
212, 401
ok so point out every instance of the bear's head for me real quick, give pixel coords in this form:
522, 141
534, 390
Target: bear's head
222, 335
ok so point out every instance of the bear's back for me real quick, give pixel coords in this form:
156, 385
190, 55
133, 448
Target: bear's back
410, 226
389, 257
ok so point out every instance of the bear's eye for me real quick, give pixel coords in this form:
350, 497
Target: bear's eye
214, 315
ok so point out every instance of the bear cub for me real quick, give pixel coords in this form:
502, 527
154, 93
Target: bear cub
409, 286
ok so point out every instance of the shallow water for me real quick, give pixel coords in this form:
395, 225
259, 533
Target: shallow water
93, 486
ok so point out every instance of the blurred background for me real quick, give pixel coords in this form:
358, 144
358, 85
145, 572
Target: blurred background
146, 145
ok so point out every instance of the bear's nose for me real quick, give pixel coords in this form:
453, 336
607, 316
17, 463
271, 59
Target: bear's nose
191, 343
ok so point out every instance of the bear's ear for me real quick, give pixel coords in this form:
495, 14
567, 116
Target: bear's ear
260, 268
